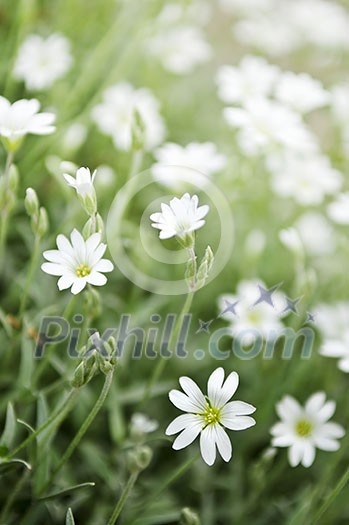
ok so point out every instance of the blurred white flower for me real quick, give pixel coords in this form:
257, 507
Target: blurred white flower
202, 157
332, 319
251, 320
291, 240
74, 136
115, 116
21, 118
340, 103
316, 233
306, 179
319, 22
242, 7
303, 429
255, 242
40, 62
77, 262
339, 349
265, 125
338, 210
180, 218
180, 49
207, 415
142, 424
195, 11
253, 77
301, 92
269, 32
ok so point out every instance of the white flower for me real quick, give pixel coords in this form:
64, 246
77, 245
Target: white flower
301, 92
305, 429
78, 262
21, 118
207, 415
40, 62
83, 182
291, 240
116, 115
142, 424
338, 210
253, 77
306, 179
248, 320
339, 349
316, 233
202, 157
180, 218
265, 126
180, 49
74, 137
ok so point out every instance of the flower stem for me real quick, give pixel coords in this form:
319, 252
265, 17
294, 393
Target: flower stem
54, 418
30, 274
159, 368
331, 497
5, 211
125, 494
84, 427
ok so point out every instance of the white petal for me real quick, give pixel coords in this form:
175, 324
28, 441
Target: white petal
78, 285
92, 242
214, 385
238, 408
65, 281
228, 389
295, 454
328, 444
183, 402
315, 402
288, 408
180, 423
327, 411
283, 441
104, 265
208, 445
238, 422
193, 391
53, 268
96, 278
223, 443
332, 430
188, 435
308, 454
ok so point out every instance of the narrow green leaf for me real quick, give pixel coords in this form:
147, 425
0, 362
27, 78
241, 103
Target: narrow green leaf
69, 519
10, 427
68, 490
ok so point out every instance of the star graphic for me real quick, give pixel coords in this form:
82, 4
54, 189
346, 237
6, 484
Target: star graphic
204, 326
310, 318
291, 305
266, 295
229, 307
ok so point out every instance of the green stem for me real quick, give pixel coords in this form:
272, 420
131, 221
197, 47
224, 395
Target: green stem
13, 495
331, 497
55, 417
159, 368
5, 211
84, 427
125, 494
30, 274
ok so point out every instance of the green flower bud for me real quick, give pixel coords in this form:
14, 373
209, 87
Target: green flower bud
42, 222
139, 458
189, 517
31, 202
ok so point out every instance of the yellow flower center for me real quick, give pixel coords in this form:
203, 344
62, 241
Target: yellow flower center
211, 415
82, 270
304, 428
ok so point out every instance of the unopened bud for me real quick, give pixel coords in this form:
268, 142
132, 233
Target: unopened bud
31, 202
189, 517
139, 458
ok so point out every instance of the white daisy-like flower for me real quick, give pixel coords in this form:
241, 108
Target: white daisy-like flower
253, 77
78, 262
304, 429
180, 49
248, 319
264, 125
332, 320
209, 414
180, 218
306, 179
21, 118
337, 348
115, 116
202, 157
142, 424
40, 62
301, 92
338, 210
